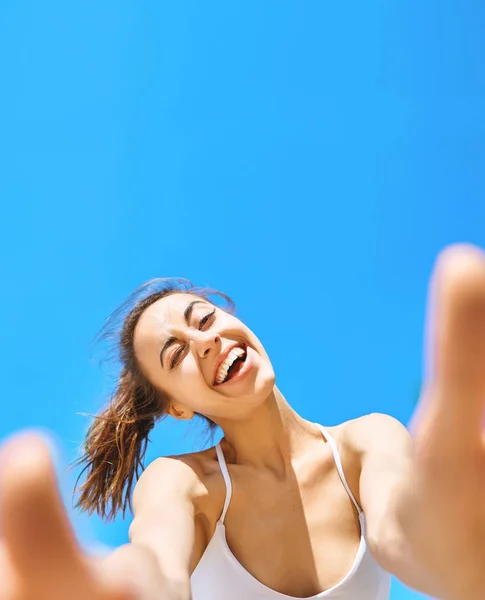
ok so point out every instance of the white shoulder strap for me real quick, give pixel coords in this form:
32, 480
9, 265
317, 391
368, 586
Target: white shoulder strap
338, 464
227, 480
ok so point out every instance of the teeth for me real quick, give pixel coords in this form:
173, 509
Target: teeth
234, 354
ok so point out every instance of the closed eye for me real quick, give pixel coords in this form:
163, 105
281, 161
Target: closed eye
203, 322
176, 357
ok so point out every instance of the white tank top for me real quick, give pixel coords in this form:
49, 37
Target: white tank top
220, 576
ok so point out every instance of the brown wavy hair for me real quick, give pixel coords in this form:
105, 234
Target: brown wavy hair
116, 441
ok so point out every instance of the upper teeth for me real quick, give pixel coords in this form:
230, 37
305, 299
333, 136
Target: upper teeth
226, 364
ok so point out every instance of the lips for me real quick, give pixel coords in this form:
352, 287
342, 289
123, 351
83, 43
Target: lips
222, 357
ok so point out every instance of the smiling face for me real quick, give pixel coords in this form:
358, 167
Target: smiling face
205, 360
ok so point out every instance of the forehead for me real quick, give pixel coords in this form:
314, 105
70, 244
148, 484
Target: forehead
162, 315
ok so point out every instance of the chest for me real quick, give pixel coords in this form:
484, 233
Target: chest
299, 536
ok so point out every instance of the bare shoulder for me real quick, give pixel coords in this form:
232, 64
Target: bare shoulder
169, 515
376, 445
369, 431
378, 432
191, 476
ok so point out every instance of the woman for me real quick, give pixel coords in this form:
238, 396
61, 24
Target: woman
283, 508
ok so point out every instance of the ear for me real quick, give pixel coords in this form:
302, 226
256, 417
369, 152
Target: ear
181, 414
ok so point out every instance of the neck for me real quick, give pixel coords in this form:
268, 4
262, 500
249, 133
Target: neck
271, 437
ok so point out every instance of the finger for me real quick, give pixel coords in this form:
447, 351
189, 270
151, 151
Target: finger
455, 387
35, 527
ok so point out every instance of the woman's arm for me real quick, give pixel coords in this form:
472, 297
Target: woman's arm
39, 554
386, 452
426, 500
164, 518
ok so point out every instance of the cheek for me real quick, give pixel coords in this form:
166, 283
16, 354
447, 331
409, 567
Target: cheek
189, 379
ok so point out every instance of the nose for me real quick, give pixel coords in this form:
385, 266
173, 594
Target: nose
205, 342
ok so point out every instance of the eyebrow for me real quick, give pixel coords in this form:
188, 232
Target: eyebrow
187, 316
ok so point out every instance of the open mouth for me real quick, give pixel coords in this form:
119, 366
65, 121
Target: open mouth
231, 365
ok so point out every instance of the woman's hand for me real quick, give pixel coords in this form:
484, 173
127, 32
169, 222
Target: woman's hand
445, 515
39, 556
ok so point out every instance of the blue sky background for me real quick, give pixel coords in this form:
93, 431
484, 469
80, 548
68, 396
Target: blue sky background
308, 158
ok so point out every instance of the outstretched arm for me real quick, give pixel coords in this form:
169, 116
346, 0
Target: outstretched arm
39, 555
164, 520
426, 501
386, 451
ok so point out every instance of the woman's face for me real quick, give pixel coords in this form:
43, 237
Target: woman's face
205, 360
